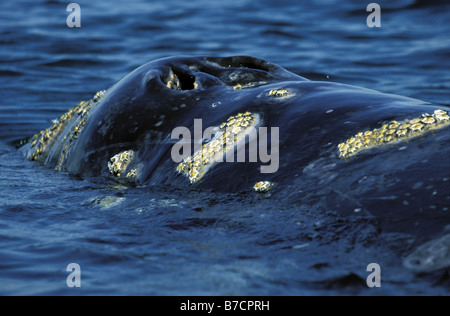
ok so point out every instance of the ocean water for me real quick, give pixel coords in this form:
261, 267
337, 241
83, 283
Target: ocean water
163, 241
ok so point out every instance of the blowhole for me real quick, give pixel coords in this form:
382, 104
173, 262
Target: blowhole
180, 81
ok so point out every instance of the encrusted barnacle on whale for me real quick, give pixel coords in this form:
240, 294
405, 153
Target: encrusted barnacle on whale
393, 132
231, 132
71, 123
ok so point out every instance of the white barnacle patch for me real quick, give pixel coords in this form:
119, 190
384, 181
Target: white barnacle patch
428, 120
118, 164
393, 132
99, 95
280, 93
132, 174
263, 186
229, 134
245, 86
173, 82
76, 118
441, 116
416, 127
237, 87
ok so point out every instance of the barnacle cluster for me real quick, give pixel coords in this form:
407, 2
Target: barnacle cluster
279, 93
75, 118
173, 82
240, 86
119, 163
132, 174
231, 132
263, 186
393, 132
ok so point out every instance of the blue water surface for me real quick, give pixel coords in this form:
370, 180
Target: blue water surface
163, 241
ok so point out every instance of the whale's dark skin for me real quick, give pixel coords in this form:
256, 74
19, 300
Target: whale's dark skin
405, 184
